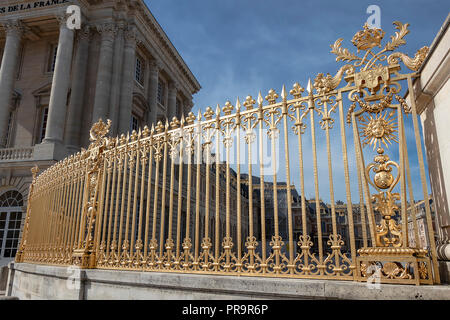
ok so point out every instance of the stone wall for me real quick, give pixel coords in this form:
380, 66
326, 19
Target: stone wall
29, 281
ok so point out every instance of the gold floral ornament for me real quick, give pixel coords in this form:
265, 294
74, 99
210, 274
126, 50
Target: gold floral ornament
98, 131
379, 128
389, 233
412, 63
369, 38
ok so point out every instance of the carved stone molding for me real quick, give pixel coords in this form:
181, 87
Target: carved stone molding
14, 28
62, 19
130, 35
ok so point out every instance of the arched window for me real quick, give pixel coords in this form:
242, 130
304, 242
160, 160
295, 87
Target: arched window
11, 198
11, 203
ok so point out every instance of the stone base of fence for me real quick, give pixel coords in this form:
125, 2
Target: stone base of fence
30, 281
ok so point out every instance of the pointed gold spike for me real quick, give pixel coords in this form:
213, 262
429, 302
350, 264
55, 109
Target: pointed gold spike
283, 93
260, 99
238, 104
309, 87
217, 110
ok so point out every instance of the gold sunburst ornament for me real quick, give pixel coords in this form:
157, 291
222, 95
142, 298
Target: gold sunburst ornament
379, 128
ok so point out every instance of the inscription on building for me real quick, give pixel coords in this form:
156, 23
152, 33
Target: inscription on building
31, 5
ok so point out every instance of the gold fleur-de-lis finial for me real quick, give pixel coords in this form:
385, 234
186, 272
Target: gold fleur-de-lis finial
249, 102
271, 96
209, 113
297, 90
190, 118
122, 139
228, 108
145, 132
175, 123
159, 127
134, 135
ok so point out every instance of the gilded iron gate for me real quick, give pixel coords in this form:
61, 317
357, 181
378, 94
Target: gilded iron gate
225, 192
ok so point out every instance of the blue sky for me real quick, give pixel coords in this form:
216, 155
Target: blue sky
240, 47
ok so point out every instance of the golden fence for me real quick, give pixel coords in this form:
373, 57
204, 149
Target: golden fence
217, 193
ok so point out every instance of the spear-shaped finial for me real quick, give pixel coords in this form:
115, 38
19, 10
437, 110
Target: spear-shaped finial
217, 110
260, 99
283, 93
309, 87
238, 104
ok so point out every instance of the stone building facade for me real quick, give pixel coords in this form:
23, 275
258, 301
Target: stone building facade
56, 81
432, 93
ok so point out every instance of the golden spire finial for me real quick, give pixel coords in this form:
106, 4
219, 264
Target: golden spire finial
309, 87
238, 104
283, 93
260, 99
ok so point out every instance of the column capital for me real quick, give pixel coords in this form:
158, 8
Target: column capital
84, 33
14, 28
130, 35
62, 19
173, 86
121, 25
107, 30
155, 66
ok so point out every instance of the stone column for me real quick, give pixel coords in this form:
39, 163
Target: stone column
126, 96
116, 78
153, 91
75, 110
104, 74
8, 70
172, 101
60, 85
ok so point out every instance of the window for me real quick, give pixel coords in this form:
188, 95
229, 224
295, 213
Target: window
43, 124
11, 199
161, 86
52, 58
139, 71
135, 123
9, 129
10, 221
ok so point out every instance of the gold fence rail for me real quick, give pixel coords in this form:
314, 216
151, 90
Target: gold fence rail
217, 192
